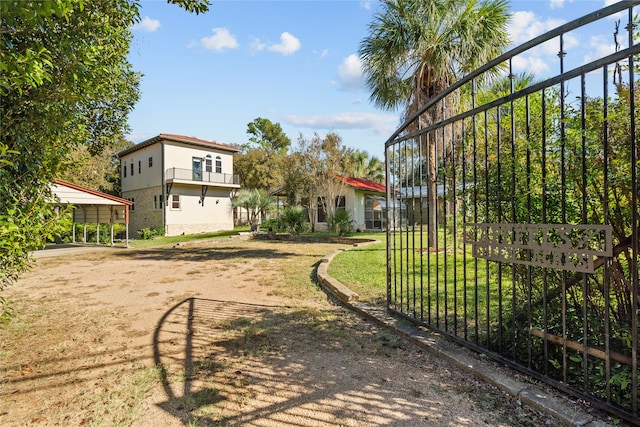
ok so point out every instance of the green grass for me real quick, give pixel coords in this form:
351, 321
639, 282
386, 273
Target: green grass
416, 287
363, 270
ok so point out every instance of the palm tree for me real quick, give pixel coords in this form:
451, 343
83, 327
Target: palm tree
417, 48
255, 201
365, 166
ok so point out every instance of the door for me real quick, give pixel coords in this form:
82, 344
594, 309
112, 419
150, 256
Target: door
197, 169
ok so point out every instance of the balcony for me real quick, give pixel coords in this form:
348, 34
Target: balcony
192, 176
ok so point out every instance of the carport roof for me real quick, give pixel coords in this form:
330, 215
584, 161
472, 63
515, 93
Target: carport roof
67, 192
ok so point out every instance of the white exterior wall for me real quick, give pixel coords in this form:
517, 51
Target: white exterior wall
193, 217
355, 204
179, 156
148, 176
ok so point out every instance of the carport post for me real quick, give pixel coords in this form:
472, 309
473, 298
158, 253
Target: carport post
84, 240
112, 234
73, 232
97, 225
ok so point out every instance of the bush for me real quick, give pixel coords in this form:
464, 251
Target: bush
293, 219
340, 223
150, 233
270, 224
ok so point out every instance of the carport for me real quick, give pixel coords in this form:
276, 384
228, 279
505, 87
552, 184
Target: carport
92, 207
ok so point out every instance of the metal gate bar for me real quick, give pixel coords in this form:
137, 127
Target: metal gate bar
523, 241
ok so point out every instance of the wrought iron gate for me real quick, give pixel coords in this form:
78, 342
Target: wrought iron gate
519, 230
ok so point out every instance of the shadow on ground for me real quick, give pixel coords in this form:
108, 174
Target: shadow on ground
240, 364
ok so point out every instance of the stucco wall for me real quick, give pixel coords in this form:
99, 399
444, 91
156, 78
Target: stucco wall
143, 175
215, 214
180, 156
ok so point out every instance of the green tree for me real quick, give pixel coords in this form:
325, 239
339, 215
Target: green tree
260, 163
368, 167
258, 168
255, 202
98, 171
319, 161
65, 83
268, 135
416, 49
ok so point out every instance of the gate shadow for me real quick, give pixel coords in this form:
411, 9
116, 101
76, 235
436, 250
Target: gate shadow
230, 363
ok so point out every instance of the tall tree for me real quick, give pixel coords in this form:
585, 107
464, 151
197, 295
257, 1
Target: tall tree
65, 83
366, 166
320, 160
259, 168
260, 163
268, 135
98, 171
416, 49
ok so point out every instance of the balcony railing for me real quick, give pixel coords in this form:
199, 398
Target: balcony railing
195, 176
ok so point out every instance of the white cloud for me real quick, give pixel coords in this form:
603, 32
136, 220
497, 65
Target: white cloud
559, 4
288, 44
322, 54
221, 39
256, 45
599, 46
366, 4
526, 25
146, 24
532, 64
556, 4
383, 124
350, 73
620, 15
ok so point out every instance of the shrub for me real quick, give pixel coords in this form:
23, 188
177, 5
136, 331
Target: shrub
293, 219
150, 233
270, 224
340, 223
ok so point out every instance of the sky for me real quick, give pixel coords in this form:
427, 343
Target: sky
296, 63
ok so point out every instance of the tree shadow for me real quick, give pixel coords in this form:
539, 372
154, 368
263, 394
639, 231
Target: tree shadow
203, 254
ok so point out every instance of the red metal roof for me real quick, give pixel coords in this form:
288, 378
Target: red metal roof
362, 184
94, 192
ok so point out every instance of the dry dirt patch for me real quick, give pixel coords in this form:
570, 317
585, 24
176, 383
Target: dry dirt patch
218, 333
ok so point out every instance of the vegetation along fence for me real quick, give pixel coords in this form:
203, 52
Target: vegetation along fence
522, 226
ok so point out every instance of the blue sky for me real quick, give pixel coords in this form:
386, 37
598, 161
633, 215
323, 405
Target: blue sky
295, 63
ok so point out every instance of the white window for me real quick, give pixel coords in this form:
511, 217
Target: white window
160, 201
150, 162
155, 202
124, 169
218, 164
175, 201
208, 163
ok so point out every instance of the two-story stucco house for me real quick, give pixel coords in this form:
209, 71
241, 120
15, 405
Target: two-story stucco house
179, 183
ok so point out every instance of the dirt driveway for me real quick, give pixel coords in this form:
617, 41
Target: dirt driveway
226, 332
